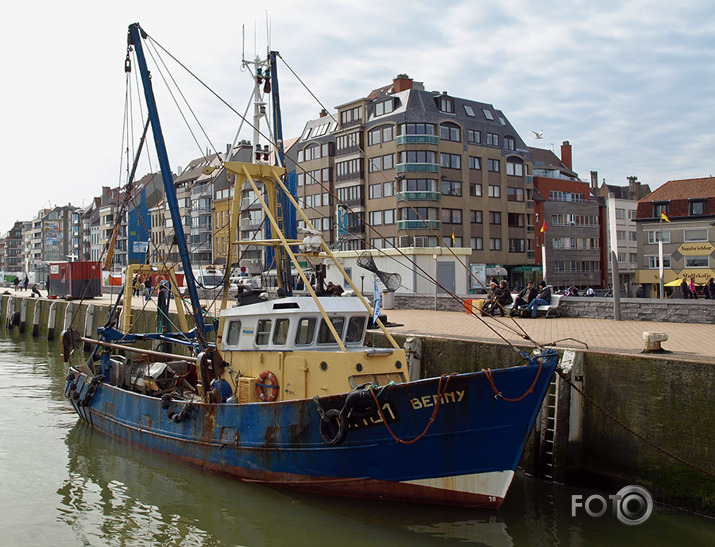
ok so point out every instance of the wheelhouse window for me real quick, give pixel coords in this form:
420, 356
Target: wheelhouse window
263, 332
306, 331
356, 328
233, 334
280, 335
325, 336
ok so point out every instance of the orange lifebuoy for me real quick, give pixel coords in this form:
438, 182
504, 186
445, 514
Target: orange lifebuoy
268, 381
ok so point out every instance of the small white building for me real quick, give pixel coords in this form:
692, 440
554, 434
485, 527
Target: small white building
417, 266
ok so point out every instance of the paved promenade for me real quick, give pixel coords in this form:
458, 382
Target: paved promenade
687, 341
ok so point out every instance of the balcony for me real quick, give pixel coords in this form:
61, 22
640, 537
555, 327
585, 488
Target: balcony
419, 196
416, 139
417, 168
418, 224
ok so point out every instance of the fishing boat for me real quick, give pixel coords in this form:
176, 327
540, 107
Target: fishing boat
290, 394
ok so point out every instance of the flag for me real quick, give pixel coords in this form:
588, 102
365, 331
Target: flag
377, 297
544, 227
454, 239
663, 216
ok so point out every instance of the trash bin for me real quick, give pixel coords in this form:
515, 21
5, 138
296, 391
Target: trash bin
388, 300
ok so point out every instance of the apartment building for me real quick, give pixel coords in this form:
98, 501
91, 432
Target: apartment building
567, 221
408, 167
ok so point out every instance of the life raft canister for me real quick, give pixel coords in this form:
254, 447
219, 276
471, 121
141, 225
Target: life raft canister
267, 387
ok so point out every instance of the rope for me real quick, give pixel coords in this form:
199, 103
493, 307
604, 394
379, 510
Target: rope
497, 393
440, 392
564, 376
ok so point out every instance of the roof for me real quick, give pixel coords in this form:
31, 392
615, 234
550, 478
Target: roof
683, 189
546, 159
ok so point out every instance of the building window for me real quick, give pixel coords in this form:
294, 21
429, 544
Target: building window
514, 194
488, 114
476, 243
474, 136
385, 107
509, 143
695, 235
469, 111
620, 214
475, 163
493, 166
452, 216
492, 139
388, 216
419, 213
451, 161
387, 189
514, 168
375, 191
697, 261
475, 217
456, 243
697, 207
620, 236
517, 246
515, 220
384, 133
494, 217
655, 235
376, 218
659, 208
653, 262
418, 156
450, 132
495, 244
451, 188
351, 116
494, 191
632, 236
475, 190
446, 105
417, 129
418, 185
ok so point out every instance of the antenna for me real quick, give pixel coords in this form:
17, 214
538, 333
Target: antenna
268, 32
243, 43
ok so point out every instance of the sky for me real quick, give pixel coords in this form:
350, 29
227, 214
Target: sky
631, 85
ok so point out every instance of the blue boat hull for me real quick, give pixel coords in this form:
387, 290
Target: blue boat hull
467, 455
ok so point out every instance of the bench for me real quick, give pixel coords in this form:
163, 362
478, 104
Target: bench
549, 310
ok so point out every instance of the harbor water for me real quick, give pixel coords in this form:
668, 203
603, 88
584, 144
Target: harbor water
63, 484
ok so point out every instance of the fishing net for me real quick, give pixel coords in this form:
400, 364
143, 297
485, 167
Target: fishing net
392, 281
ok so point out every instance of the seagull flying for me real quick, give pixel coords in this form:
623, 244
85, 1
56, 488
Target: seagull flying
539, 135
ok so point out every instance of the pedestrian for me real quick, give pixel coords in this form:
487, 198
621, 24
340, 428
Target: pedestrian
27, 282
709, 289
16, 282
36, 291
147, 287
693, 288
163, 297
543, 299
590, 292
684, 290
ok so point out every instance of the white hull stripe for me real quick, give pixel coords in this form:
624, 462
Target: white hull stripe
493, 483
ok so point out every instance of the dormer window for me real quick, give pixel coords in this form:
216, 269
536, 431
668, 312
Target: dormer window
659, 208
385, 107
488, 114
446, 104
697, 207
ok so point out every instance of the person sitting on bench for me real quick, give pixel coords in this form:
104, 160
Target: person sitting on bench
526, 295
543, 299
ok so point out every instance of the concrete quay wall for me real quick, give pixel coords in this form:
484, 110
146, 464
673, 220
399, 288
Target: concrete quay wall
635, 309
670, 403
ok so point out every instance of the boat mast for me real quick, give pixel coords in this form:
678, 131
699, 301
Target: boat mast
136, 33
